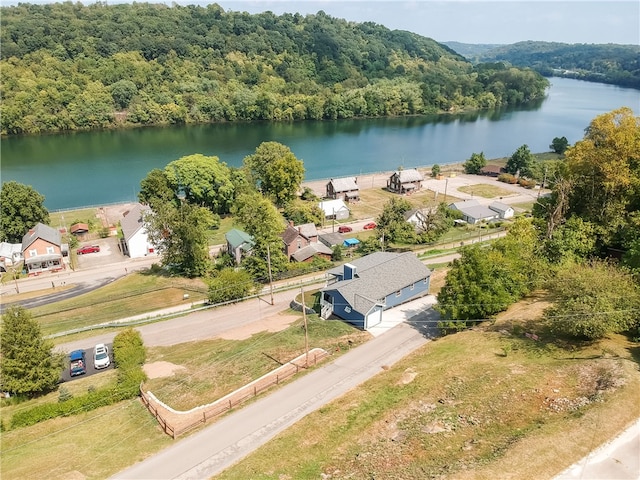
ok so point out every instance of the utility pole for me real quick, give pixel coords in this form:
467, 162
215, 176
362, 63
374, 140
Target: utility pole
446, 184
270, 277
306, 332
544, 179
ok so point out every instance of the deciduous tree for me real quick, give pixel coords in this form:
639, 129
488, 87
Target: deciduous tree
593, 300
392, 222
180, 235
21, 208
605, 168
261, 219
230, 284
29, 366
520, 162
475, 163
204, 181
275, 171
559, 145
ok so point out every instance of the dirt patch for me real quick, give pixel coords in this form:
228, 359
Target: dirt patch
161, 369
275, 323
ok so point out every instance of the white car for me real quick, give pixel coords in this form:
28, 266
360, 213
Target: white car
101, 356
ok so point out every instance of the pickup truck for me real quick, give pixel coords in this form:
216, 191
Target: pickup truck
77, 363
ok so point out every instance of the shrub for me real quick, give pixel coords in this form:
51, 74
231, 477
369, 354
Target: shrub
128, 349
523, 182
507, 178
64, 394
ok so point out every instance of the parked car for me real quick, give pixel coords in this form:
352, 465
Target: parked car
370, 226
88, 249
77, 363
101, 356
344, 229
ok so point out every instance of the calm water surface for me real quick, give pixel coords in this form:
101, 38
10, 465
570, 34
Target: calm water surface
97, 168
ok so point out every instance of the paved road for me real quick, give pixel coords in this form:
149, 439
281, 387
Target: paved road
618, 459
230, 439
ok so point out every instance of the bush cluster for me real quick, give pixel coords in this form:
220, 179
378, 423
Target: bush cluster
523, 182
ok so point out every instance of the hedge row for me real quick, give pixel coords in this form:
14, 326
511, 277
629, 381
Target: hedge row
76, 405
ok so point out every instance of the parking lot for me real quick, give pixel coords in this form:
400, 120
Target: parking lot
109, 253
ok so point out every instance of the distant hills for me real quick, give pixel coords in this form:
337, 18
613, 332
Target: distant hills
606, 63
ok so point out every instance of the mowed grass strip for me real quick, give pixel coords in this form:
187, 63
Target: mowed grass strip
484, 190
134, 294
472, 405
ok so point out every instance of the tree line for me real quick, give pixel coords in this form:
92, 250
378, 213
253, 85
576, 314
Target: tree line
582, 244
69, 67
614, 64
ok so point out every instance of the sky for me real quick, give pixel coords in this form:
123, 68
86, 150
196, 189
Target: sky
477, 21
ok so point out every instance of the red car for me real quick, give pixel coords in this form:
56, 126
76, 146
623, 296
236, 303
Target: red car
370, 226
88, 249
344, 229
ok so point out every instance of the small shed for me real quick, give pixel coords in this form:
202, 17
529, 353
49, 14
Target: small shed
350, 242
79, 228
503, 210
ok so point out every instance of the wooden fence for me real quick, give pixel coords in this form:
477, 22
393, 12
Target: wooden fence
174, 422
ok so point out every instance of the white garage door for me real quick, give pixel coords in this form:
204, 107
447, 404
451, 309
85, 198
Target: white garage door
373, 319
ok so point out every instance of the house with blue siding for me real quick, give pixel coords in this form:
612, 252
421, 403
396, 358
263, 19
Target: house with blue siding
359, 292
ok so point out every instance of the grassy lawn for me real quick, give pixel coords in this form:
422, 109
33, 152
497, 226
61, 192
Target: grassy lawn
131, 295
216, 237
484, 190
372, 201
108, 440
472, 405
216, 367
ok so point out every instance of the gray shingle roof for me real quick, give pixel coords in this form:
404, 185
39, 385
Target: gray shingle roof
45, 232
344, 184
311, 250
410, 175
132, 221
378, 275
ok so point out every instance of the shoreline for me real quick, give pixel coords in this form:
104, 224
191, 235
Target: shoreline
365, 181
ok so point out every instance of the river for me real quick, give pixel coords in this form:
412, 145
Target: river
98, 168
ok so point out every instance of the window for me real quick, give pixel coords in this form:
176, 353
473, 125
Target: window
412, 285
33, 253
398, 293
50, 250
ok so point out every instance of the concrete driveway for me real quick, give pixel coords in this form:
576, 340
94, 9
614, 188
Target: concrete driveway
417, 313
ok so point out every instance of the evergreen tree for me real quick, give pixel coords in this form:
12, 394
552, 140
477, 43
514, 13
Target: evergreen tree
29, 367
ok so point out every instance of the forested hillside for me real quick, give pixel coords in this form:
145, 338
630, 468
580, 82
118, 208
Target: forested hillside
67, 66
616, 64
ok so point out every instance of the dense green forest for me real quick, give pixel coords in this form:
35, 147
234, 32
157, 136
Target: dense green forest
67, 66
615, 64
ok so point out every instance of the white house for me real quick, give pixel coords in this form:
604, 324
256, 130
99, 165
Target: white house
503, 210
135, 242
336, 209
473, 212
10, 254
